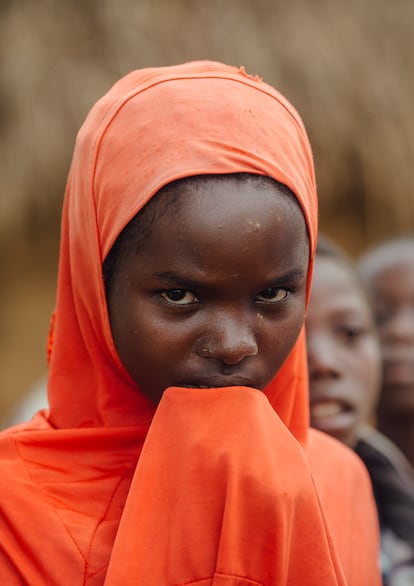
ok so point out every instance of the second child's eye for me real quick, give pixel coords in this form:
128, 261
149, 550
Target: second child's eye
179, 297
272, 295
353, 334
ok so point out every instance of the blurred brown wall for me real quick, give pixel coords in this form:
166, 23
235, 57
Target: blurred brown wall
347, 66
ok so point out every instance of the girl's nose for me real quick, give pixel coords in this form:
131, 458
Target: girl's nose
231, 340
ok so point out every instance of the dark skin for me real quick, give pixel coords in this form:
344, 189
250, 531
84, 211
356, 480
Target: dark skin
389, 275
215, 295
343, 352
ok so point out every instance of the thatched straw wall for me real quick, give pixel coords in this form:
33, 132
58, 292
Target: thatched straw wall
347, 66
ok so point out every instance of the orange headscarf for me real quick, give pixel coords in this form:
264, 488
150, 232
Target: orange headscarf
210, 488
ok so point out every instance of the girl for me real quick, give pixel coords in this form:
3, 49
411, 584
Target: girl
177, 449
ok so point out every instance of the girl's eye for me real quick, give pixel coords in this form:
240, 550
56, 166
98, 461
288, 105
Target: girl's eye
179, 297
272, 295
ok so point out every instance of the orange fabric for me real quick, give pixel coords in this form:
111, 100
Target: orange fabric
345, 490
214, 487
237, 499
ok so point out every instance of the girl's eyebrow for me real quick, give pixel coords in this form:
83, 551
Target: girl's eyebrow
172, 278
290, 276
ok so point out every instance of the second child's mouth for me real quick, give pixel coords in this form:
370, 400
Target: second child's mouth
330, 414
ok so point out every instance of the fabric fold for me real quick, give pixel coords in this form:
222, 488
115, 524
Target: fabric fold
222, 494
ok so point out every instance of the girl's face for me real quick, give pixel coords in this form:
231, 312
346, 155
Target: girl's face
343, 352
216, 295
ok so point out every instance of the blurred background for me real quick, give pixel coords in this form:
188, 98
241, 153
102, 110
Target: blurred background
348, 67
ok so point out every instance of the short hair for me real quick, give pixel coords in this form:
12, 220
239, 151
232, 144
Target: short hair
327, 248
384, 253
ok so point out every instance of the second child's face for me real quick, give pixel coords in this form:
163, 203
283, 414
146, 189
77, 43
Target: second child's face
216, 295
343, 352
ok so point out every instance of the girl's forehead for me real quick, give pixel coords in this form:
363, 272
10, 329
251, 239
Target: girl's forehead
253, 202
197, 213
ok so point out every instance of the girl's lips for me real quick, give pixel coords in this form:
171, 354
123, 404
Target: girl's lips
219, 383
216, 380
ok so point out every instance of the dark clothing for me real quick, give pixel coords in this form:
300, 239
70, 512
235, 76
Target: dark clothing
393, 484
